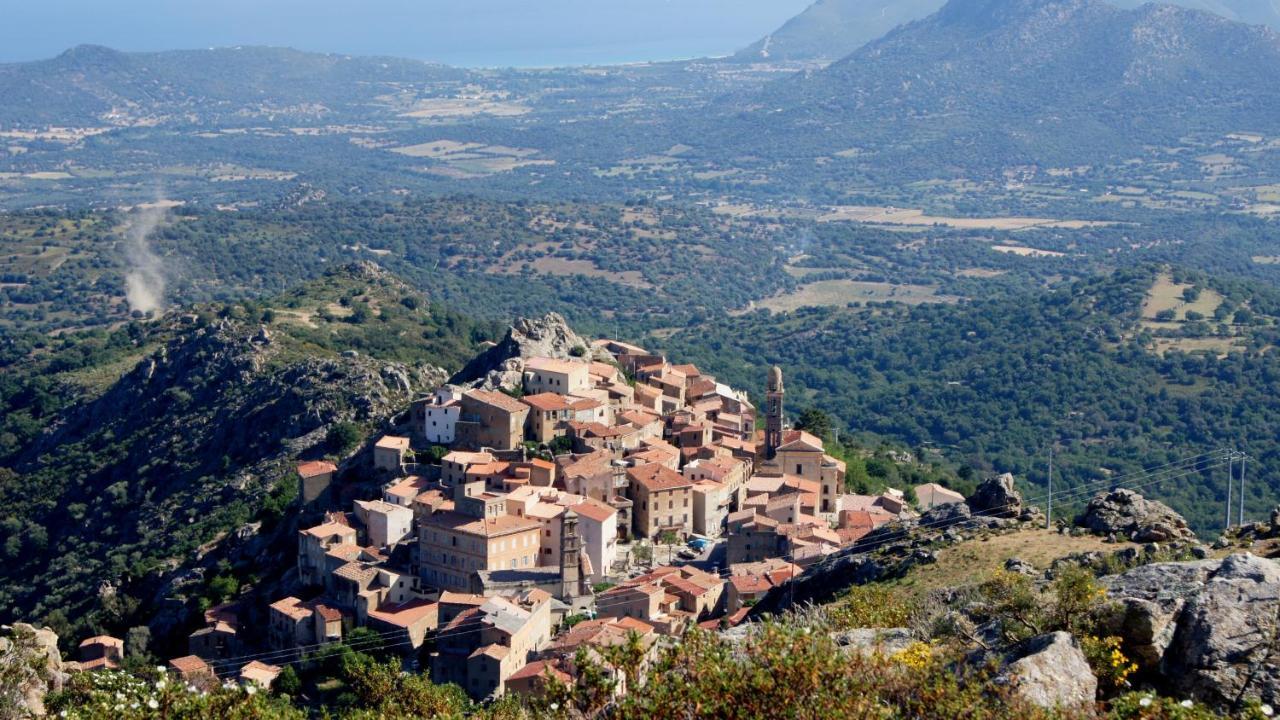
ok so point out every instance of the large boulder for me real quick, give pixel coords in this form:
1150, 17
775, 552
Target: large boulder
1051, 671
997, 497
502, 365
33, 669
867, 641
1127, 514
1226, 645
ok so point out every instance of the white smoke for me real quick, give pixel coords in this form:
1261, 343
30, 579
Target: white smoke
145, 281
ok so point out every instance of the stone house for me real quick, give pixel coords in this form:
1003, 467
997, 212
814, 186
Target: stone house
389, 453
662, 500
490, 420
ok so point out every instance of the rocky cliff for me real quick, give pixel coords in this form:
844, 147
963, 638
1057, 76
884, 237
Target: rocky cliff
502, 365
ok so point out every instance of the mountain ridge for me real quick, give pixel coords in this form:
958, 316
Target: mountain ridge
832, 29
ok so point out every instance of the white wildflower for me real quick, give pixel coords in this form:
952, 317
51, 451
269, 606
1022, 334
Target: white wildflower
1267, 710
1186, 703
153, 704
1145, 702
160, 684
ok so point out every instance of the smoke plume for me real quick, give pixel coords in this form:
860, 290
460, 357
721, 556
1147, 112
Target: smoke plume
145, 281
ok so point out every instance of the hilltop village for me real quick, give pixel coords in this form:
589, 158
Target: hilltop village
596, 499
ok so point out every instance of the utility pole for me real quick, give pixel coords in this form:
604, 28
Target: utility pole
1242, 459
1231, 470
1048, 518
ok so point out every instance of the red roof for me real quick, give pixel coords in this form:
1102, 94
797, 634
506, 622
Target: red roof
546, 402
656, 477
313, 468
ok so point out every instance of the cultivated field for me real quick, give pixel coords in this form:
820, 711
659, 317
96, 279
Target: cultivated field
462, 160
842, 292
439, 108
1165, 294
876, 215
1026, 251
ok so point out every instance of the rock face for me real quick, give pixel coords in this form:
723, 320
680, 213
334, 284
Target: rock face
997, 497
503, 364
1128, 514
1226, 643
33, 668
1207, 629
885, 641
1051, 671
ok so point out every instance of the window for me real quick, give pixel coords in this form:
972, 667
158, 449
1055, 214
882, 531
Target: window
799, 469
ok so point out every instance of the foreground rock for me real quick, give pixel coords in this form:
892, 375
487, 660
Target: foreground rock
997, 497
1206, 629
1051, 671
1226, 644
30, 667
1127, 514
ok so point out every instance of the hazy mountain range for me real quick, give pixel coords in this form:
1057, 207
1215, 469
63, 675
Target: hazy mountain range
1031, 81
831, 29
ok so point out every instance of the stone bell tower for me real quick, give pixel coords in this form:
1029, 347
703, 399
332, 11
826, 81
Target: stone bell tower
571, 586
773, 413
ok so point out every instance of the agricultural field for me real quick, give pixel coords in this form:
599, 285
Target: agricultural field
1166, 295
1024, 251
464, 160
842, 292
874, 215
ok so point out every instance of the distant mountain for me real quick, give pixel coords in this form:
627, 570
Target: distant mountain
93, 85
993, 83
831, 29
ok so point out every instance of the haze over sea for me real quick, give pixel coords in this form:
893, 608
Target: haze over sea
473, 33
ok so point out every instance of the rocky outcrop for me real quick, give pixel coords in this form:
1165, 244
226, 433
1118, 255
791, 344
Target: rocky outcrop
1226, 645
1127, 514
1207, 629
502, 365
30, 668
1051, 671
885, 641
997, 497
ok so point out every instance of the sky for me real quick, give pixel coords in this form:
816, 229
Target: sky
474, 33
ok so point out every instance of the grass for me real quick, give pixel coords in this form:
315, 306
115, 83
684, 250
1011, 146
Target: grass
843, 292
879, 215
979, 558
1026, 251
1165, 294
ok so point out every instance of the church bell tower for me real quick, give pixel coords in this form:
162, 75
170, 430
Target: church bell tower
773, 413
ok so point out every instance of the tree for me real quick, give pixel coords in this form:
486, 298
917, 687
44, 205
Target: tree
287, 682
343, 437
815, 422
668, 538
137, 641
642, 552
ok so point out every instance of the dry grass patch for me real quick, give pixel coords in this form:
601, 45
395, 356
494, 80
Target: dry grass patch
1165, 294
436, 148
879, 215
843, 292
980, 558
1219, 346
465, 107
1026, 251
